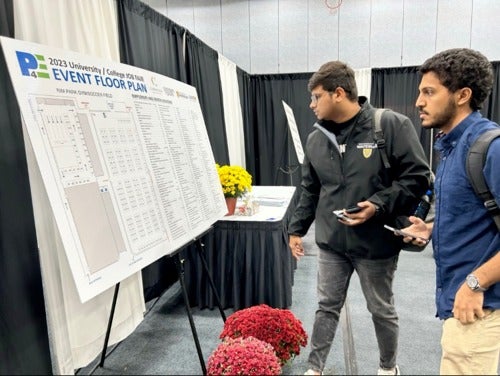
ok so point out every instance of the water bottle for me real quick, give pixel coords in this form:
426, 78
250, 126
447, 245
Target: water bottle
423, 206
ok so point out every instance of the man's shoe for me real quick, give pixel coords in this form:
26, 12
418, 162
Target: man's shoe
311, 371
389, 371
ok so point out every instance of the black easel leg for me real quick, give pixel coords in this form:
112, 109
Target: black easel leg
110, 323
180, 271
199, 247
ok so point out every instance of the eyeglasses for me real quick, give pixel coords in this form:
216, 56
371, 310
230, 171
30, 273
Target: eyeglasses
316, 97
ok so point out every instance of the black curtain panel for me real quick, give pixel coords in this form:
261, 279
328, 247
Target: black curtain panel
251, 159
202, 64
491, 108
267, 125
397, 89
149, 40
24, 343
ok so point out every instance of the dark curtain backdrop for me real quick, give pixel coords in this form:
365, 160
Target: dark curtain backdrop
397, 89
266, 127
202, 64
24, 343
244, 81
149, 40
491, 108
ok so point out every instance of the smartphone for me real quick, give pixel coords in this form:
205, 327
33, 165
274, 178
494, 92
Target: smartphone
353, 209
402, 233
340, 215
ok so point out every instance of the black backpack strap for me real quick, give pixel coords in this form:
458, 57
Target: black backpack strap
474, 165
379, 135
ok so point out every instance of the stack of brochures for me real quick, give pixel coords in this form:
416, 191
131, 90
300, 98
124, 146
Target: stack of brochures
271, 201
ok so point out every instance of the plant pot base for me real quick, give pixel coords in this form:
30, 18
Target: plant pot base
231, 205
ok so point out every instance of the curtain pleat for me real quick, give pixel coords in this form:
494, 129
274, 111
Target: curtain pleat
397, 89
202, 64
244, 80
270, 142
491, 107
150, 41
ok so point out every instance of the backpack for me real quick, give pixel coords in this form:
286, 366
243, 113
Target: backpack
401, 221
474, 166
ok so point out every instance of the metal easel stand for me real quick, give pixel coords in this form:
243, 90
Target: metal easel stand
180, 271
288, 170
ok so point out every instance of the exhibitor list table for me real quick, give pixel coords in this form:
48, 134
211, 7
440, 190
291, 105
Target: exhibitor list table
247, 256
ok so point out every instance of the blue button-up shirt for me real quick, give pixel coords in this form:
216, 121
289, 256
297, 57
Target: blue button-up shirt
464, 235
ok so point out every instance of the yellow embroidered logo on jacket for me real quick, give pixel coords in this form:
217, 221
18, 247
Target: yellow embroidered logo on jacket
367, 153
367, 148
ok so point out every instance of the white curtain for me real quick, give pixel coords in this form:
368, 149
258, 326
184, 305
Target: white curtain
364, 81
76, 330
232, 112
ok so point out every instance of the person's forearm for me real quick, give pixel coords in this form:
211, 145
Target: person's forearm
489, 273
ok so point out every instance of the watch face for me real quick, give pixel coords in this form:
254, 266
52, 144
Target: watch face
472, 282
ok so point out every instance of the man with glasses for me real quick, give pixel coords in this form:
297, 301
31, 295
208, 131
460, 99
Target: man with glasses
343, 169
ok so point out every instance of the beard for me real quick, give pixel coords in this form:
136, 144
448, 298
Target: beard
445, 117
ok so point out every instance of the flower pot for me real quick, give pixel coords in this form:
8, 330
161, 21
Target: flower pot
231, 205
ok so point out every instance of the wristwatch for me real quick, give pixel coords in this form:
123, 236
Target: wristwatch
473, 283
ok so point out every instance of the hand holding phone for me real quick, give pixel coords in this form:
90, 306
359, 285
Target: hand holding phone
340, 215
402, 233
353, 209
341, 212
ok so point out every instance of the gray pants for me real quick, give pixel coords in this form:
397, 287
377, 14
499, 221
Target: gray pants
334, 273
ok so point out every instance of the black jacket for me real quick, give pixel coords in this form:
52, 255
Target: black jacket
331, 181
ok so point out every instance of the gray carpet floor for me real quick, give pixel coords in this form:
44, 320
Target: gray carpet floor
163, 343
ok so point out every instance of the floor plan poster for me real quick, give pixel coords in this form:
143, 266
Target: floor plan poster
124, 156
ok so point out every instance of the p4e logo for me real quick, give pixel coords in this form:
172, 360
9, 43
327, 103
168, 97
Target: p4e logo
32, 65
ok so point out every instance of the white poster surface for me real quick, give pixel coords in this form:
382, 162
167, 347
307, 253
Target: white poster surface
124, 156
292, 125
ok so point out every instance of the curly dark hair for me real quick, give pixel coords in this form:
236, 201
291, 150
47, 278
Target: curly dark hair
335, 74
457, 68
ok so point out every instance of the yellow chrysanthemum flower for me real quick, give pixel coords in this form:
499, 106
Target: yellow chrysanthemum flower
235, 180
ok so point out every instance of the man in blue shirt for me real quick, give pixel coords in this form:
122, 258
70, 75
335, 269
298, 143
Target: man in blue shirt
465, 238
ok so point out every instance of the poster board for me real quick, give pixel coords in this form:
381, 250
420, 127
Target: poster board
294, 131
124, 156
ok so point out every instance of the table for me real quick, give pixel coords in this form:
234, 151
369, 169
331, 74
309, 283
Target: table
247, 256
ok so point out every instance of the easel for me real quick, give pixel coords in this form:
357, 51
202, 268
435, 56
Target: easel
288, 170
180, 271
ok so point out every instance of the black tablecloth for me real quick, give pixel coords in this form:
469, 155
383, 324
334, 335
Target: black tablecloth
250, 263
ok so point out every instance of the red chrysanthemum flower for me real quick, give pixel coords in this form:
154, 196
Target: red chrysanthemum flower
278, 327
243, 356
